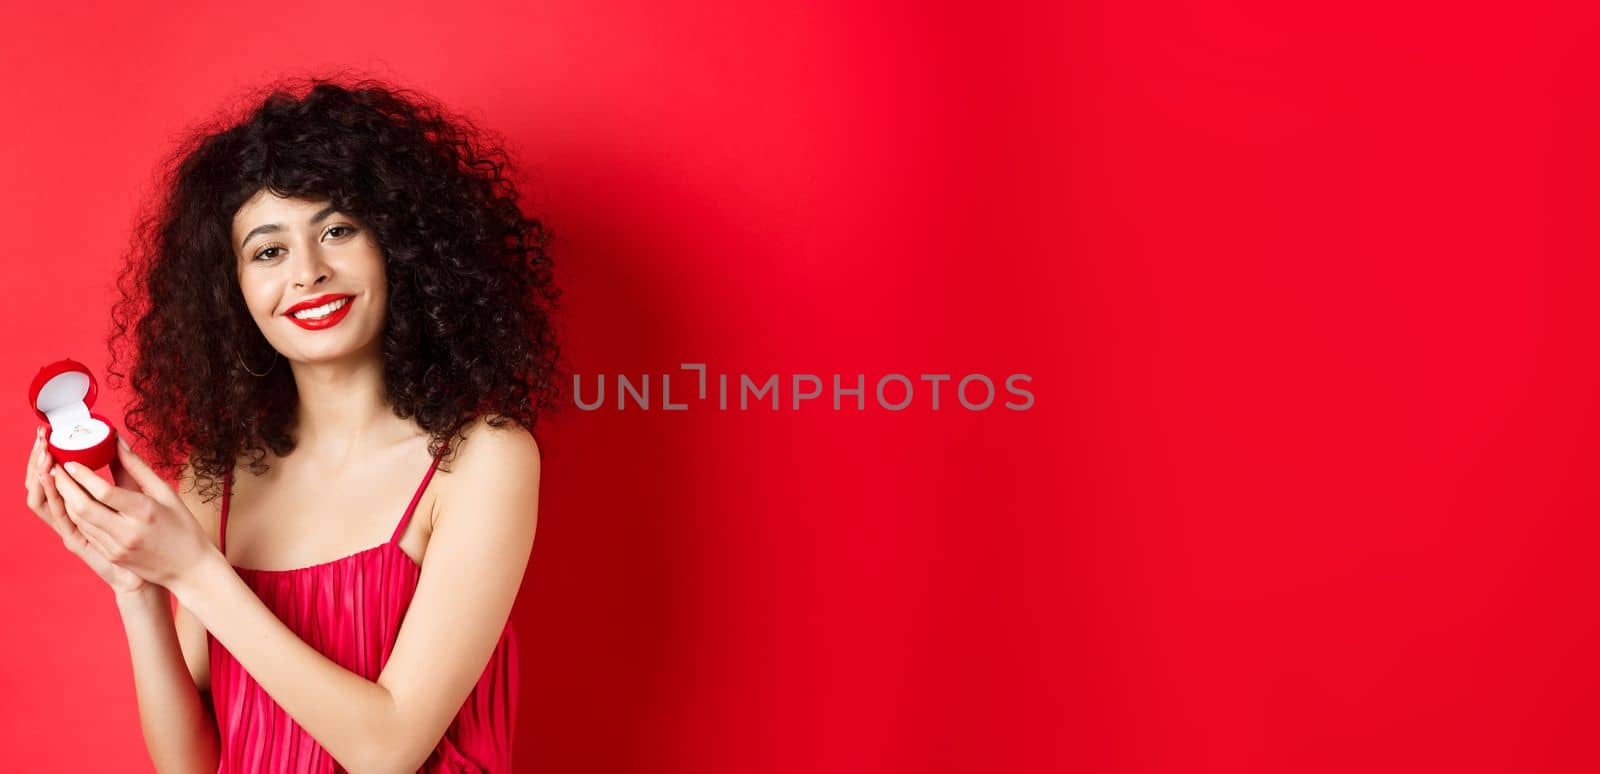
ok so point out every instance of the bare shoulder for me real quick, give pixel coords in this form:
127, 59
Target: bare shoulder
488, 451
492, 470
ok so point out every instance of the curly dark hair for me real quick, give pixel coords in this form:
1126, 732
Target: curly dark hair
469, 331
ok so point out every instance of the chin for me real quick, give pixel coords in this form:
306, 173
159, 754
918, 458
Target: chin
333, 351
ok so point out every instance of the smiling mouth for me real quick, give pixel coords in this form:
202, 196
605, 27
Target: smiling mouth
322, 312
325, 316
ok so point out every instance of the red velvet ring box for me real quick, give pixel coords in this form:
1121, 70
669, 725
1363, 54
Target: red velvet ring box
61, 395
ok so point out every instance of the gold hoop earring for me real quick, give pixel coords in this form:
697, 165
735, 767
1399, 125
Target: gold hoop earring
253, 373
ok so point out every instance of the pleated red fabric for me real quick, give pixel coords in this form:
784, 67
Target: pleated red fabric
350, 610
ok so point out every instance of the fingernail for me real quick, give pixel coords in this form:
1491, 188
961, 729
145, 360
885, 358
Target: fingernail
44, 457
122, 442
73, 467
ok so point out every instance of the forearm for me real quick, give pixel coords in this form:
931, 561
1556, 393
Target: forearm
346, 713
180, 732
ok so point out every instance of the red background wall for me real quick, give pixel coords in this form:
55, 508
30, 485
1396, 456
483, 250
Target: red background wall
1306, 485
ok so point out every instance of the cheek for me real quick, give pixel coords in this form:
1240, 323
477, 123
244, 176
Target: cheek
377, 280
258, 299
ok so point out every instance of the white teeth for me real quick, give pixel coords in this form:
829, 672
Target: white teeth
321, 311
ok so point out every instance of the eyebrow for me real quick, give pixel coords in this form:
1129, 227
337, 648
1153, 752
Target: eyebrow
268, 228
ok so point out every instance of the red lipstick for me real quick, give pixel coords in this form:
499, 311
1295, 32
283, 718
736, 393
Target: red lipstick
328, 321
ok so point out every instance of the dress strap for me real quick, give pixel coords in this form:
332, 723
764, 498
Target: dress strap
400, 529
222, 524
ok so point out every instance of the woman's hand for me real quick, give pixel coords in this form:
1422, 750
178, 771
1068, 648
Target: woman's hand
46, 503
139, 525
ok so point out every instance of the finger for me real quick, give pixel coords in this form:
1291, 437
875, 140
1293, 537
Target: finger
36, 496
34, 457
151, 483
57, 509
96, 537
87, 512
112, 496
39, 501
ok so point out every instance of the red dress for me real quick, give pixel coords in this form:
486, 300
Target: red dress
350, 610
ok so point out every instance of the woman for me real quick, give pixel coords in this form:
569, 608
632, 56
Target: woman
340, 290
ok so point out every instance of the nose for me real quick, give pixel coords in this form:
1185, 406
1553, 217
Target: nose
311, 269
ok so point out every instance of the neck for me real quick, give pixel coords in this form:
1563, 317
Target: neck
343, 416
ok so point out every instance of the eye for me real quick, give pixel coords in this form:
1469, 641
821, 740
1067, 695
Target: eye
264, 252
345, 229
